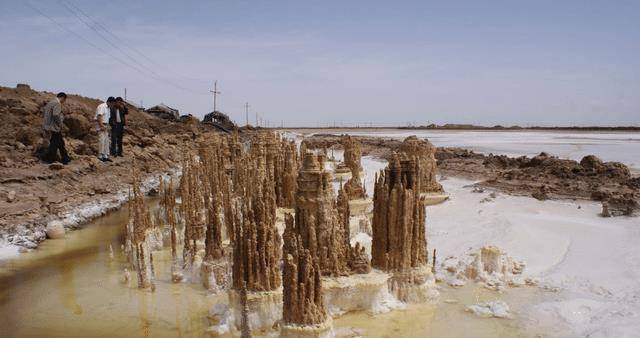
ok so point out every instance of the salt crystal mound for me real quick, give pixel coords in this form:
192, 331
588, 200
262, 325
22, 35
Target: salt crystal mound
265, 309
321, 330
495, 309
224, 318
361, 292
490, 267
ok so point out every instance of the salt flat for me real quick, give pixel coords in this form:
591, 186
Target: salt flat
609, 146
594, 261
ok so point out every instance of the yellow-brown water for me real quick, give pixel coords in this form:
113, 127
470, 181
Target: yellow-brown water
74, 287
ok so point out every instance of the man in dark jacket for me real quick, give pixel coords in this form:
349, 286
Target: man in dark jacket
117, 121
53, 123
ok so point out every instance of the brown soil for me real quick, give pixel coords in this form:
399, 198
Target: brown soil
33, 192
542, 176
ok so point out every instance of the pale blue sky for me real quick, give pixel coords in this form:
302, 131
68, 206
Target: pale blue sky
309, 62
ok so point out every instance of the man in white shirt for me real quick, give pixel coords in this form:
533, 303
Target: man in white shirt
102, 113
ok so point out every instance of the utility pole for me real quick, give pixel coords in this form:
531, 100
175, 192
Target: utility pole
125, 94
257, 124
246, 111
215, 93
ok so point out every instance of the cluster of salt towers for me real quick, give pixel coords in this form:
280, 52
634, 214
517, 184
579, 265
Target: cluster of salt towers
225, 231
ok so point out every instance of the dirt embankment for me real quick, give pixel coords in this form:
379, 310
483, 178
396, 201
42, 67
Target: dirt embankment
542, 176
33, 192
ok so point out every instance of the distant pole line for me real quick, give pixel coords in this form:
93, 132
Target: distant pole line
246, 112
103, 50
215, 94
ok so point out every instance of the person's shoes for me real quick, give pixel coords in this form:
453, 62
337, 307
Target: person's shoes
106, 159
67, 161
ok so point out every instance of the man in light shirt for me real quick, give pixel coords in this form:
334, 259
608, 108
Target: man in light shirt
102, 113
53, 122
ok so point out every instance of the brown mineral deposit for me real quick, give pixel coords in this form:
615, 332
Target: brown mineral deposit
303, 303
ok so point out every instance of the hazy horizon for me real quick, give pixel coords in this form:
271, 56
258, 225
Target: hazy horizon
325, 63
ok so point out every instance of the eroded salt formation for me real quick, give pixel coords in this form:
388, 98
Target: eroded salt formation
304, 313
216, 190
489, 267
424, 153
256, 247
141, 237
399, 243
317, 220
352, 160
169, 211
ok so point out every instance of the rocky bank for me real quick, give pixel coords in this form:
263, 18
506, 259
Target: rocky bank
33, 193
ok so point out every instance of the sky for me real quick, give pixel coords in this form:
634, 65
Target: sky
319, 63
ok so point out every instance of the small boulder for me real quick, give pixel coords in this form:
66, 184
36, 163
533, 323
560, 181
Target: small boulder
55, 230
11, 196
152, 192
56, 166
591, 162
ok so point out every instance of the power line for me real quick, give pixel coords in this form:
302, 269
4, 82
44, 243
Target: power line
102, 50
124, 43
101, 26
114, 45
105, 39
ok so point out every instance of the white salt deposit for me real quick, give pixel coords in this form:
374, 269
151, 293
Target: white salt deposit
496, 309
594, 262
489, 266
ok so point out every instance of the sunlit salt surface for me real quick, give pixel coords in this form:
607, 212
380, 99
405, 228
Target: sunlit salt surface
610, 146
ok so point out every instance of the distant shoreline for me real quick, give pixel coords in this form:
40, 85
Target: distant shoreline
471, 127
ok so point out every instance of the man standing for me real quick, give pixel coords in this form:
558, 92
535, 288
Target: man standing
103, 110
116, 121
53, 120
